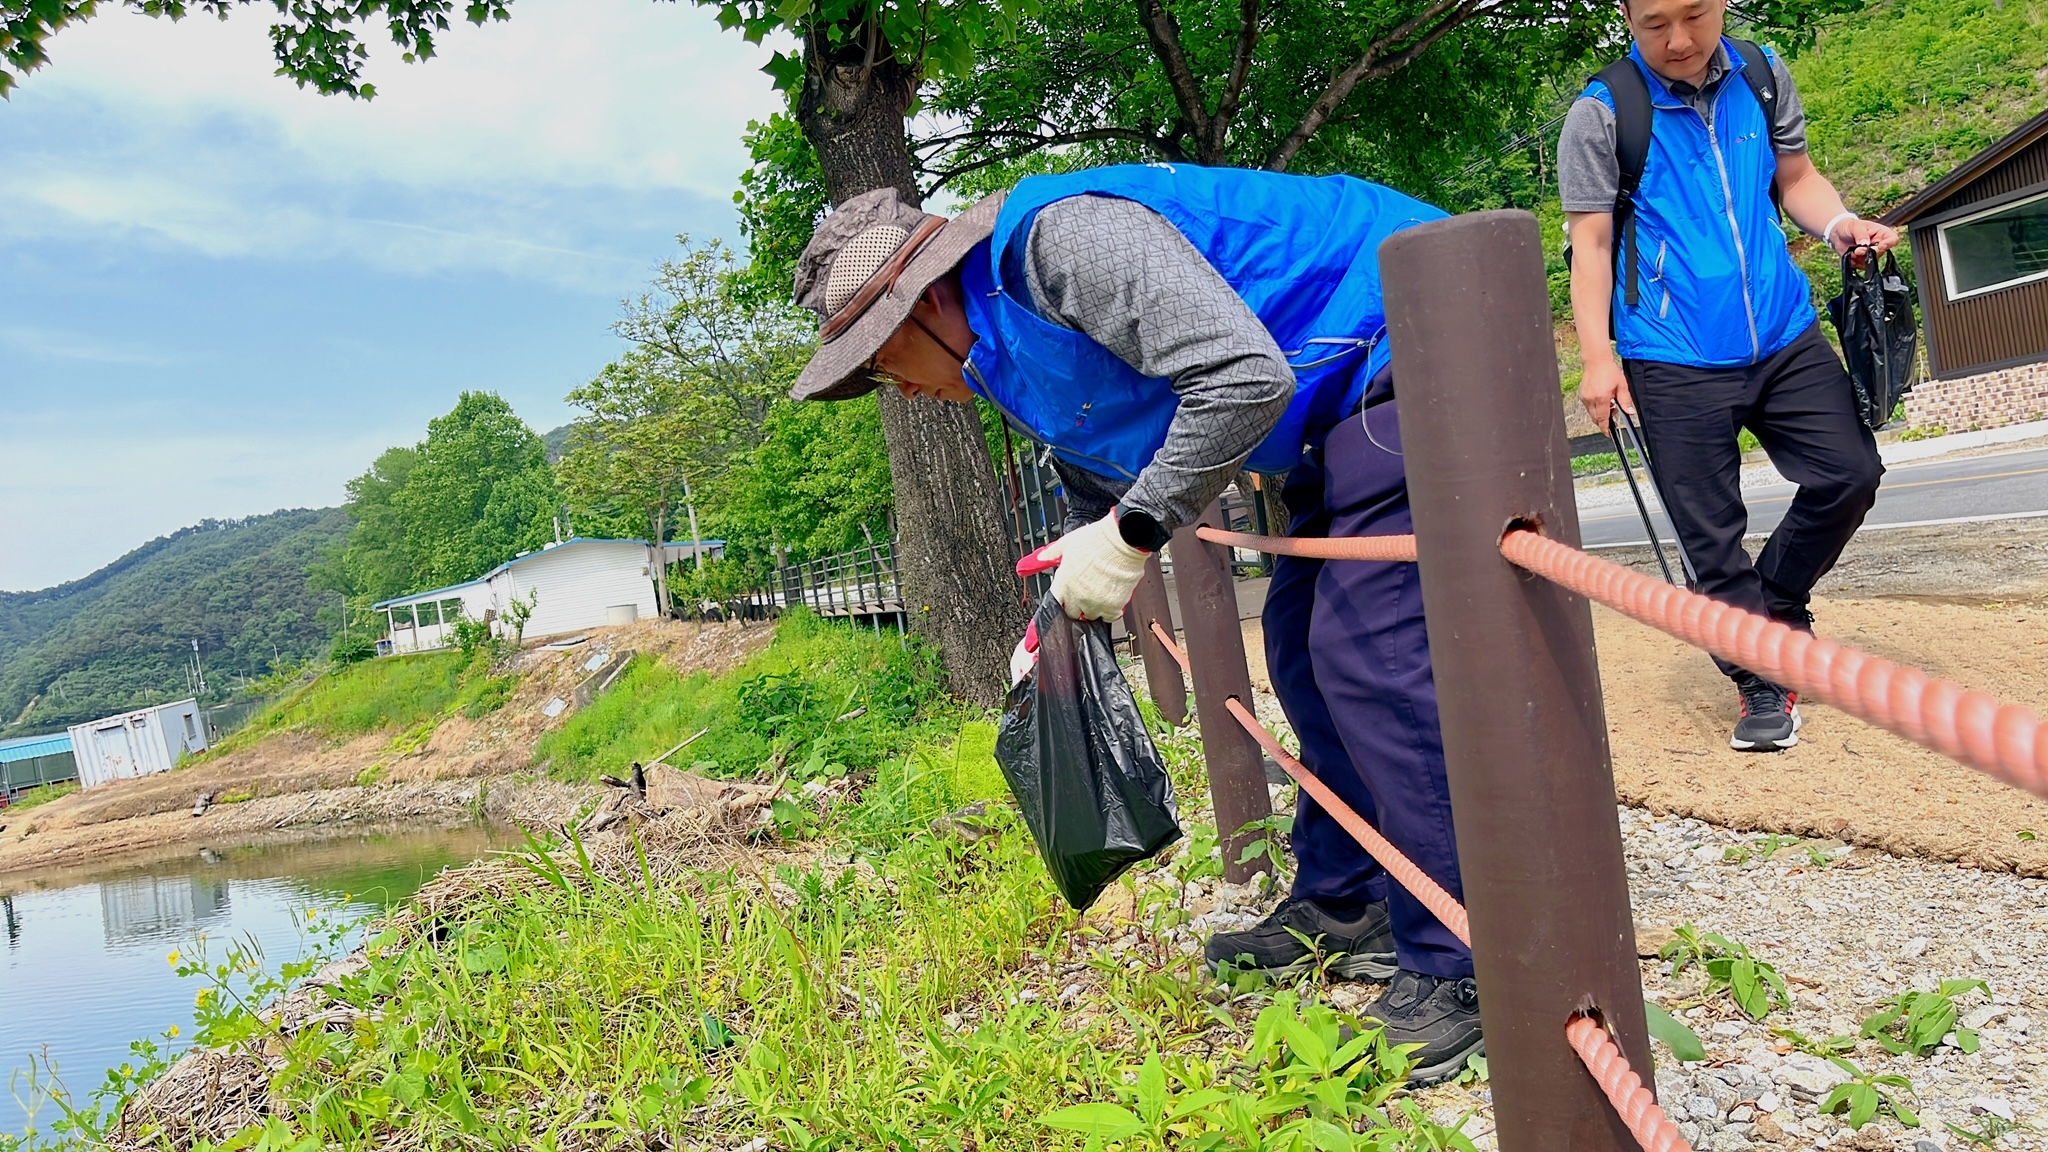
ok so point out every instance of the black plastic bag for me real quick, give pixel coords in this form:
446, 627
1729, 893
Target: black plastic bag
1084, 770
1874, 318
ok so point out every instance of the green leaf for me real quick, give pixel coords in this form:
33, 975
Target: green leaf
1966, 1039
1684, 1043
490, 958
1863, 1102
786, 70
408, 1086
1109, 1121
2029, 834
1152, 1089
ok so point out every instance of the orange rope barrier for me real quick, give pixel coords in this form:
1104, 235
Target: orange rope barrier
1318, 548
1636, 1104
2002, 740
1413, 878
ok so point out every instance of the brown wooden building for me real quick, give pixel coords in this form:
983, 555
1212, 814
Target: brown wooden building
1980, 247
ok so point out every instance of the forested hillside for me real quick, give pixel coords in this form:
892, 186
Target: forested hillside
122, 637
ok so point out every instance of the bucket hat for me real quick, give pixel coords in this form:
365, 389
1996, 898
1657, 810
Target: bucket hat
862, 272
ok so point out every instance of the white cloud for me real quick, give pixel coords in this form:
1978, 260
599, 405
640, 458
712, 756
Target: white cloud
491, 155
576, 92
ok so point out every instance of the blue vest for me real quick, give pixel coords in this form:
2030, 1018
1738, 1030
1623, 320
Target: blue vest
1303, 253
1717, 286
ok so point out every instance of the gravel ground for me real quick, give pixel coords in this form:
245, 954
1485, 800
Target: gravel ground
1850, 929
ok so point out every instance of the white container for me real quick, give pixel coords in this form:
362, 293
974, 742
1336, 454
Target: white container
618, 614
139, 743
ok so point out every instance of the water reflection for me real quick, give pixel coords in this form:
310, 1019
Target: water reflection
160, 908
84, 970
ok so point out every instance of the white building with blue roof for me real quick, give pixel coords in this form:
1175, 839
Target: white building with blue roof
571, 586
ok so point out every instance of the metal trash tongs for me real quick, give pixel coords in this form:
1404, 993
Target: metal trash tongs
1635, 436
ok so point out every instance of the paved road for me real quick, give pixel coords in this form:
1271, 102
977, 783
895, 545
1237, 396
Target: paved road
1979, 486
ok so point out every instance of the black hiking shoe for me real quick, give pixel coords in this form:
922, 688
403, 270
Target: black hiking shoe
1439, 1013
1770, 716
1363, 948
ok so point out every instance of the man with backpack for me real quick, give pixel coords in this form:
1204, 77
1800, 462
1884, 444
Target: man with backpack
1674, 166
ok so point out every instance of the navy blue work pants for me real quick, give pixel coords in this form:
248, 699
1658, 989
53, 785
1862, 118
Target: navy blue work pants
1349, 658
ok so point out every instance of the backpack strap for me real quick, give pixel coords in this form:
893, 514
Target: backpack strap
1632, 113
1763, 81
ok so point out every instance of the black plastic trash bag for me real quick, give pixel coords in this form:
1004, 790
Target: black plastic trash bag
1874, 318
1084, 769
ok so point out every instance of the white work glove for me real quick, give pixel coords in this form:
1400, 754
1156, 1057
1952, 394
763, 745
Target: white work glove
1025, 656
1098, 571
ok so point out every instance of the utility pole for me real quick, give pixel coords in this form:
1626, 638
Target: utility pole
696, 538
198, 669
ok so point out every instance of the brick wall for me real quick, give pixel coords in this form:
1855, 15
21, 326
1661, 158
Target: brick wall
1988, 400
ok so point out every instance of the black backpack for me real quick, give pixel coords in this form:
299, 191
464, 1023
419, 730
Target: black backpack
1632, 119
1874, 316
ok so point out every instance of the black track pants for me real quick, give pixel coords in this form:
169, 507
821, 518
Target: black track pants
1799, 404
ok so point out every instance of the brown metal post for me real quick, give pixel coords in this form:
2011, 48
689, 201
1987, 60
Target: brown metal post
1162, 675
1525, 734
1215, 648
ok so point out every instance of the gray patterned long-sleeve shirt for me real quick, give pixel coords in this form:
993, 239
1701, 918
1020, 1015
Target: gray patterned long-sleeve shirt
1119, 273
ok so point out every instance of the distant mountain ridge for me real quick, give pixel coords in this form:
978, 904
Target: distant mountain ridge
121, 637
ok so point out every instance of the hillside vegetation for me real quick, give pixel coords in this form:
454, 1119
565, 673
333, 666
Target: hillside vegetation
122, 637
1898, 95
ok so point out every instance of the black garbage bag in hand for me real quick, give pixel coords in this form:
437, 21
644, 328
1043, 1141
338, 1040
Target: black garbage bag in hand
1874, 317
1084, 769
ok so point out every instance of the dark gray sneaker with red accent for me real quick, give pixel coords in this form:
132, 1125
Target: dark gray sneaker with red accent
1770, 716
1439, 1013
1299, 935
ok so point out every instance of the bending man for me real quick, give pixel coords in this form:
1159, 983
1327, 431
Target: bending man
1160, 327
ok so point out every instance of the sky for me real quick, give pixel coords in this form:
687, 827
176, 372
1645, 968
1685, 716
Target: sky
221, 295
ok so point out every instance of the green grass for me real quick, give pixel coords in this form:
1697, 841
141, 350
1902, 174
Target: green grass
35, 797
904, 990
822, 700
410, 694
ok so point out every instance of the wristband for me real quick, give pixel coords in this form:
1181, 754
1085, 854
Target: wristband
1828, 233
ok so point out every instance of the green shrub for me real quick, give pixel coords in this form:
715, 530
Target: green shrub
352, 648
394, 692
823, 699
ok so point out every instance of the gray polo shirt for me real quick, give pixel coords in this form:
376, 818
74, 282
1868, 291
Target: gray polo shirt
1589, 175
1126, 277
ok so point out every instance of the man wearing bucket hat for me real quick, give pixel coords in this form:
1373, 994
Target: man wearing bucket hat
1161, 327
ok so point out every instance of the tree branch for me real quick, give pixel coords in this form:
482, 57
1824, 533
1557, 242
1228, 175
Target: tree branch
1033, 143
1240, 72
1164, 32
1445, 15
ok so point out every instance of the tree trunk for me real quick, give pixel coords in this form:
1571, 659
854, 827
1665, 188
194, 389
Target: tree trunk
957, 584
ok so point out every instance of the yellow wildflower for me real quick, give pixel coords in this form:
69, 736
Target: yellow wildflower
174, 957
174, 1032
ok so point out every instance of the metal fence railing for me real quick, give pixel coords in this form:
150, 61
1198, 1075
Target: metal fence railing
865, 583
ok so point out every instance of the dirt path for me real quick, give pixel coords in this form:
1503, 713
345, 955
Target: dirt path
302, 782
1968, 602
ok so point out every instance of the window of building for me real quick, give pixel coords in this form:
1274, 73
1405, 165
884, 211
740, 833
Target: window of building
1997, 249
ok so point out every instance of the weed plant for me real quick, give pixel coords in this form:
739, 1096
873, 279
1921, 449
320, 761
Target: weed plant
1729, 966
822, 700
36, 797
886, 988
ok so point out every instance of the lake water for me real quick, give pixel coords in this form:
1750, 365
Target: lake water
83, 968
